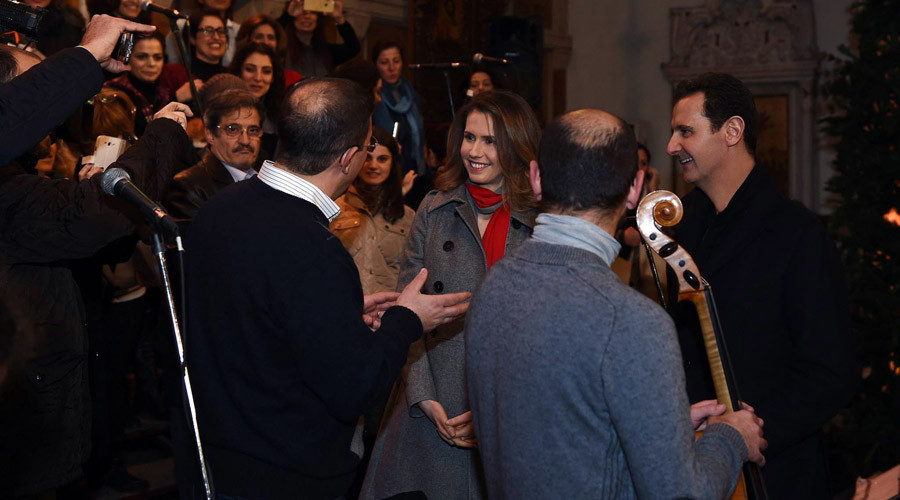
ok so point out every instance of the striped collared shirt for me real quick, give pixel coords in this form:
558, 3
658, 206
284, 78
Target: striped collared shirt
293, 185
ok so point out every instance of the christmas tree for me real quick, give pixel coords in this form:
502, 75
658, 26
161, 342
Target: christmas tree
863, 92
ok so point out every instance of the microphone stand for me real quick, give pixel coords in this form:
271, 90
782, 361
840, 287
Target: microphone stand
449, 94
191, 414
186, 59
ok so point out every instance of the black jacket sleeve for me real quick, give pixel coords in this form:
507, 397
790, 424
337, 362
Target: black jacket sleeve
45, 221
38, 100
343, 52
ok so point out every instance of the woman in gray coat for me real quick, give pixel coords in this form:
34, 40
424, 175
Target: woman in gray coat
482, 208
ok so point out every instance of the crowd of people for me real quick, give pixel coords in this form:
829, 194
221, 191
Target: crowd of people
380, 309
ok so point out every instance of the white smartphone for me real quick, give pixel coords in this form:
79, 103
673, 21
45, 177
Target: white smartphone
107, 150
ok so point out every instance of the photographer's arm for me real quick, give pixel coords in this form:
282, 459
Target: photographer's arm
35, 102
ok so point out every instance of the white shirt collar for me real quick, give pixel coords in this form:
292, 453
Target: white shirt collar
286, 182
237, 174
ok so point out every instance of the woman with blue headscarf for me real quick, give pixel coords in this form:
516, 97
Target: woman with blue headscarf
400, 105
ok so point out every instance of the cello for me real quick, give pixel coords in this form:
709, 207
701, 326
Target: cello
664, 209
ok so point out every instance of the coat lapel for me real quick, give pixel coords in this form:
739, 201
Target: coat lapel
216, 170
465, 209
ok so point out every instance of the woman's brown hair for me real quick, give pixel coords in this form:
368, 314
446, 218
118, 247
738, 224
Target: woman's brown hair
517, 135
113, 114
248, 27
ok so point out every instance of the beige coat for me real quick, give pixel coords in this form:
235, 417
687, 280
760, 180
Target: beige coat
375, 244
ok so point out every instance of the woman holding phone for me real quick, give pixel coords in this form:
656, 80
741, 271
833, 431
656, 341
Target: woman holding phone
308, 52
483, 207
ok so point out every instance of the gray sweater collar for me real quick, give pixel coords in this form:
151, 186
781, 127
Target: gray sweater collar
575, 232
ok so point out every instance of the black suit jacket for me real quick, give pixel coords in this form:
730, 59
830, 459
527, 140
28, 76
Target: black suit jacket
38, 100
193, 187
782, 302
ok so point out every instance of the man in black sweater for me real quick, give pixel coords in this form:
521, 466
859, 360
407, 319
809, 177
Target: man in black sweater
282, 355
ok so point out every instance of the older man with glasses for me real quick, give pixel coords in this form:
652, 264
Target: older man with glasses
233, 128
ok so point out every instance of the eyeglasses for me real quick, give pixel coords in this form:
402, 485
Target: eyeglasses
111, 98
370, 147
234, 130
209, 30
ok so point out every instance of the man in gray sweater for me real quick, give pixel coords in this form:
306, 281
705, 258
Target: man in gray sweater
575, 380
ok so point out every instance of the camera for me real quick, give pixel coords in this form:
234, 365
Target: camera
123, 48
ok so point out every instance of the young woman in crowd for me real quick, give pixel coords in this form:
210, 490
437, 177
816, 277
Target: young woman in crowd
209, 42
131, 10
142, 83
257, 65
483, 208
374, 223
263, 29
222, 8
308, 52
479, 82
400, 104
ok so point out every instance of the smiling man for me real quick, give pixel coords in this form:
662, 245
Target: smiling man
233, 121
778, 283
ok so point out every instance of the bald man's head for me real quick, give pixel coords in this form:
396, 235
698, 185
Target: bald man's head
588, 161
15, 61
322, 117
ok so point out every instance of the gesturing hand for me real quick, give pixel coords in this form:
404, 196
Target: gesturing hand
432, 310
374, 306
407, 183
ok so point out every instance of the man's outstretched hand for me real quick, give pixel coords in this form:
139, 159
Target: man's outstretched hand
432, 310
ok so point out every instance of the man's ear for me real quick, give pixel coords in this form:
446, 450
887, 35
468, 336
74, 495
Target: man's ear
634, 194
347, 158
208, 135
534, 175
734, 130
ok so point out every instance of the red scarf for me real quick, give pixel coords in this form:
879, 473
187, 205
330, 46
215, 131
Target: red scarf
494, 238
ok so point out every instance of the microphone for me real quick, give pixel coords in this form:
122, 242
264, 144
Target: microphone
117, 182
480, 58
448, 65
174, 14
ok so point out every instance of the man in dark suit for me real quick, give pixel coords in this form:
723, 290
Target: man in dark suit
778, 284
233, 121
283, 359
